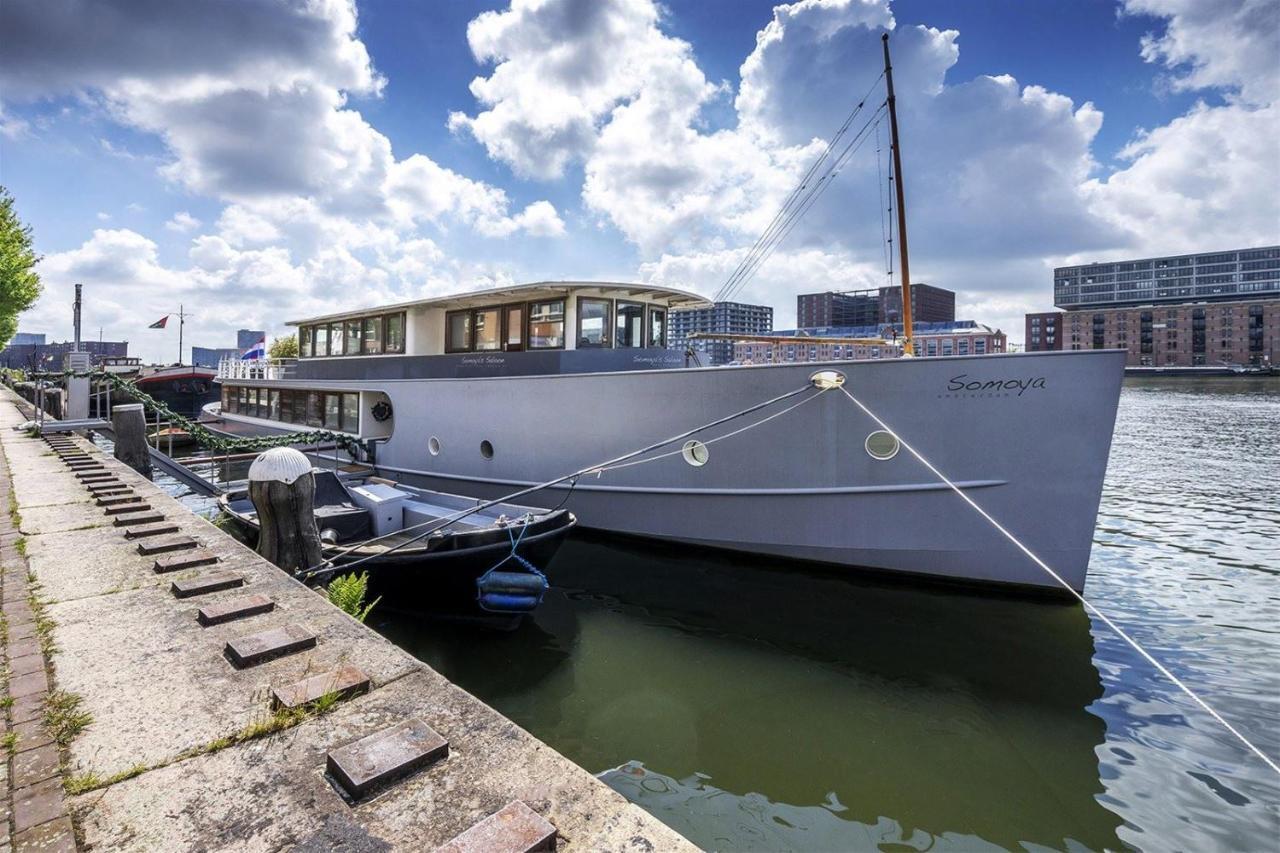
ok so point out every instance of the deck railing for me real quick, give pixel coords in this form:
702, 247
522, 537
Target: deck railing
259, 368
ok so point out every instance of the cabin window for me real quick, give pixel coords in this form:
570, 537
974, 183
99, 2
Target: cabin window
244, 401
372, 335
229, 400
458, 334
486, 326
355, 331
273, 405
593, 323
315, 411
546, 324
350, 412
657, 327
286, 406
333, 411
304, 341
395, 333
515, 329
322, 341
336, 340
629, 325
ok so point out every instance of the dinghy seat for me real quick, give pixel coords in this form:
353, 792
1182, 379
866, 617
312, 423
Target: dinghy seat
336, 510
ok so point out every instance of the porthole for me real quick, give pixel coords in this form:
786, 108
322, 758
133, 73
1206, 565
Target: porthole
695, 453
434, 446
486, 449
882, 445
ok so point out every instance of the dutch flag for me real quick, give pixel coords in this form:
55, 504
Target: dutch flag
257, 351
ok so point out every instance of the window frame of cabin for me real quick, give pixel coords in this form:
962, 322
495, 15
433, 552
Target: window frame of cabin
529, 323
644, 329
606, 326
496, 310
650, 310
523, 308
386, 332
450, 343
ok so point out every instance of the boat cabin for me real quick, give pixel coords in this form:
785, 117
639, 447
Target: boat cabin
523, 330
554, 327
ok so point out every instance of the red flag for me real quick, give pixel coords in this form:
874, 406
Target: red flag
159, 324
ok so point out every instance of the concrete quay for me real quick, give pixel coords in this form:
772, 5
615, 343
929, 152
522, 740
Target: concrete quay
247, 714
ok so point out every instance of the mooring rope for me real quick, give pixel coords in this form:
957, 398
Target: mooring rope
1088, 604
327, 566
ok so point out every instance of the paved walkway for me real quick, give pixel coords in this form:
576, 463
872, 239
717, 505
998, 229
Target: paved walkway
169, 734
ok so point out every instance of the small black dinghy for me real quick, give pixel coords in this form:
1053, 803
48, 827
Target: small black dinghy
490, 556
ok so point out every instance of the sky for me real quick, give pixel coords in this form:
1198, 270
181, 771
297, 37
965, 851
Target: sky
260, 161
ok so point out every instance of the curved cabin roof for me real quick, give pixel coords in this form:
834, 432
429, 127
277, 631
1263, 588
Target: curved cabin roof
670, 297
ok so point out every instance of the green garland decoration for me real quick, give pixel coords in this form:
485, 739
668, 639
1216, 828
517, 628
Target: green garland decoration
205, 437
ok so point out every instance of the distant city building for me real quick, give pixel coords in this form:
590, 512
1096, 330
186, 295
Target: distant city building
929, 304
1208, 277
28, 339
1216, 333
958, 337
1044, 331
43, 356
720, 318
246, 338
210, 356
1183, 310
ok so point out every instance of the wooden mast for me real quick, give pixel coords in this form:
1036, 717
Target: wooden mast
908, 345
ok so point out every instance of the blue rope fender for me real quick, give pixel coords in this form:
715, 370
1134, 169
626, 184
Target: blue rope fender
512, 592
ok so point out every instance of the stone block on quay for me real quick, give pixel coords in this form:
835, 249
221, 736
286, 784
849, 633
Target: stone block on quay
134, 505
56, 836
35, 765
29, 684
203, 584
345, 681
27, 708
143, 531
385, 756
266, 645
23, 648
237, 608
25, 665
94, 476
117, 500
185, 560
31, 734
38, 804
516, 828
135, 518
164, 546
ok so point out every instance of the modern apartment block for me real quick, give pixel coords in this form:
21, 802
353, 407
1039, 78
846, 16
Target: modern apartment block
958, 337
246, 338
1208, 277
49, 356
720, 318
1184, 310
929, 304
1044, 331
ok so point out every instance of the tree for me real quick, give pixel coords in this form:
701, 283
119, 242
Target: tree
286, 347
19, 282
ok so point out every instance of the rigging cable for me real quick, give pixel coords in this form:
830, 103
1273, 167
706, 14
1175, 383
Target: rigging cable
1089, 605
737, 275
813, 194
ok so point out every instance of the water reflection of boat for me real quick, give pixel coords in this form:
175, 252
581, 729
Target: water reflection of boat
819, 711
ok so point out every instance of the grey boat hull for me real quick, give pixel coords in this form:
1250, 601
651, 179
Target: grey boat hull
1026, 436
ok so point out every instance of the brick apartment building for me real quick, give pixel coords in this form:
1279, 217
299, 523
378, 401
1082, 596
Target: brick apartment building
1183, 310
929, 304
959, 337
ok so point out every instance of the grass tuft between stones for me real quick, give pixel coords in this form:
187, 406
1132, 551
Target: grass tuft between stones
63, 718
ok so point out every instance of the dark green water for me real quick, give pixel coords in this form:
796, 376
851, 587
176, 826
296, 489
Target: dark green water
757, 709
754, 706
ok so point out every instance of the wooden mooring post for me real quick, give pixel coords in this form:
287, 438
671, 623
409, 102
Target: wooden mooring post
283, 492
129, 425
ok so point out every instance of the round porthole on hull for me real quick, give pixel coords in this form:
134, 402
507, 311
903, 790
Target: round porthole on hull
486, 449
434, 446
882, 445
695, 453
